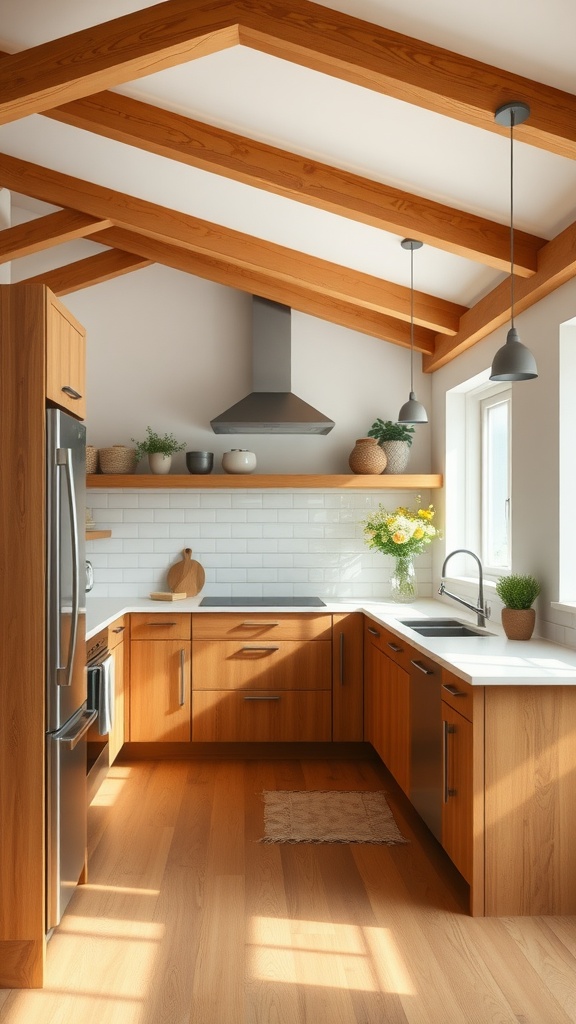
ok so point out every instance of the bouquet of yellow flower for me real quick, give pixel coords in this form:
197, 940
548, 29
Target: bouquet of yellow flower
402, 532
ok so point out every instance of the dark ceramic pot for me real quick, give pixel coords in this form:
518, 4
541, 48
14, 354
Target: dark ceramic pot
199, 462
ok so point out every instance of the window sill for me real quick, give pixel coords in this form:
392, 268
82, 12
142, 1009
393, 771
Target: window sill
564, 606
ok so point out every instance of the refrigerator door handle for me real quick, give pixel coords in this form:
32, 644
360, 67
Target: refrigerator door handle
85, 721
64, 672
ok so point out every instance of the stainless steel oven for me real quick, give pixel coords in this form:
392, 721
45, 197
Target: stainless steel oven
100, 668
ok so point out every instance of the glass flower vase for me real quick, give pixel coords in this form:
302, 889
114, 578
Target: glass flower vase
403, 582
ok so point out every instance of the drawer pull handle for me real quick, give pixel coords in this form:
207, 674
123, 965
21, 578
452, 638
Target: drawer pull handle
182, 675
254, 647
267, 623
161, 624
452, 690
447, 729
119, 629
71, 392
423, 668
374, 632
263, 697
395, 648
341, 659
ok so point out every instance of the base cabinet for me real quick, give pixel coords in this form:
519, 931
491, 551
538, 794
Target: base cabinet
457, 789
387, 702
160, 681
116, 647
348, 677
261, 678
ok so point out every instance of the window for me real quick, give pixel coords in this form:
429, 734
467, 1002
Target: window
495, 481
478, 473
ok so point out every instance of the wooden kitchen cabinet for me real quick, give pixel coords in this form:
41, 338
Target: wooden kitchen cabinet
116, 633
457, 793
24, 320
348, 677
262, 677
387, 700
160, 679
65, 358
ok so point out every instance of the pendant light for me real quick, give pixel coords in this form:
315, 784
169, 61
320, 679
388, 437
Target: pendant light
412, 411
513, 361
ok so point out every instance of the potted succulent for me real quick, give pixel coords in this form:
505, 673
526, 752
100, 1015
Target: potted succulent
396, 440
518, 592
159, 448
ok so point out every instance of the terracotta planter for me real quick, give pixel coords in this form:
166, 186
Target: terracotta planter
518, 623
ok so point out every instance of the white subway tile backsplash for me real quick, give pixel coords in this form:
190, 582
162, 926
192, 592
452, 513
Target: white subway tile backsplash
264, 543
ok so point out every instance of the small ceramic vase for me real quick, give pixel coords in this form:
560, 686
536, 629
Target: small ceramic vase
159, 463
239, 460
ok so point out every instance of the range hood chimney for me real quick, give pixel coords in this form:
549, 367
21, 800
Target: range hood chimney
271, 408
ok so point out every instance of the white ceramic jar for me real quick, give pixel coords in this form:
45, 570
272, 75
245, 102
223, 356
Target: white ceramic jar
239, 460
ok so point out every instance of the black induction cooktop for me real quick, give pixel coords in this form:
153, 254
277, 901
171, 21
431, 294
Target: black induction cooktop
262, 602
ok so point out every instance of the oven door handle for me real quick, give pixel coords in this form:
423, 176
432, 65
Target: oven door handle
83, 723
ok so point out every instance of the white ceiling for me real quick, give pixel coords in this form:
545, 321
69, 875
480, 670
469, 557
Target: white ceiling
338, 123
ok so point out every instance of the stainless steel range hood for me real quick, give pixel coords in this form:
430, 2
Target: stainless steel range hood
271, 408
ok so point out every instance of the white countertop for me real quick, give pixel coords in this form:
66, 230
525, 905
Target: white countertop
490, 660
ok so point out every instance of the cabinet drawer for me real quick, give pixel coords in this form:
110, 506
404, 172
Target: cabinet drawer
116, 633
395, 647
160, 626
261, 664
255, 625
458, 694
257, 717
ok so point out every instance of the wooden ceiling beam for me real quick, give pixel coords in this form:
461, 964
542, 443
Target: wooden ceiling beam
346, 312
46, 232
556, 266
83, 273
235, 248
337, 191
170, 33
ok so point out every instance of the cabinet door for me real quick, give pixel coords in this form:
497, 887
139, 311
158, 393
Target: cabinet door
347, 678
387, 713
65, 359
457, 797
160, 690
116, 738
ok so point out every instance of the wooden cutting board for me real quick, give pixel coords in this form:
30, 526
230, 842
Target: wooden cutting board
187, 576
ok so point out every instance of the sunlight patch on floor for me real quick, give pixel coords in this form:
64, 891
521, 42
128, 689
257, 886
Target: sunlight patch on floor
122, 890
111, 787
327, 955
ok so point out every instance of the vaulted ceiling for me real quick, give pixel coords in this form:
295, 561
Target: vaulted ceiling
286, 149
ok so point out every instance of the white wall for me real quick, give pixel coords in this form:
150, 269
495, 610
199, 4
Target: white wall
171, 350
536, 431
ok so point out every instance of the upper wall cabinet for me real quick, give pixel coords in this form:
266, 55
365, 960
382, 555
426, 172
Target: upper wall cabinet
65, 358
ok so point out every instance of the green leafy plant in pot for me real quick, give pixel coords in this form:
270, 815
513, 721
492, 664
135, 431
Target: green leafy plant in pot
396, 440
159, 448
518, 593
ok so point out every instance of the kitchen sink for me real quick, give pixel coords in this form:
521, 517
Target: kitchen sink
442, 627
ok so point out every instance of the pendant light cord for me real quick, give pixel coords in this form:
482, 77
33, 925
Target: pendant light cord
411, 319
512, 218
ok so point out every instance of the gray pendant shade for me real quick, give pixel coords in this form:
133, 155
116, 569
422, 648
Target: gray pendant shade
513, 361
412, 411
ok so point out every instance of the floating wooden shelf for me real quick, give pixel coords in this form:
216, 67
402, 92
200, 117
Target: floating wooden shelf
98, 534
209, 481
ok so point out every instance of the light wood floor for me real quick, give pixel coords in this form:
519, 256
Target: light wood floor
187, 918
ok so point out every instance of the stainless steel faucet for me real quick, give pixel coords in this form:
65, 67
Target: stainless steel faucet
481, 609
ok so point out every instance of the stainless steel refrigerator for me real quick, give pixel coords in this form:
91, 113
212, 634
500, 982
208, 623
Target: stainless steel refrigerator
67, 716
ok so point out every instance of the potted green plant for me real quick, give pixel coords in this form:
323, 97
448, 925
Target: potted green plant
159, 448
518, 592
396, 440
